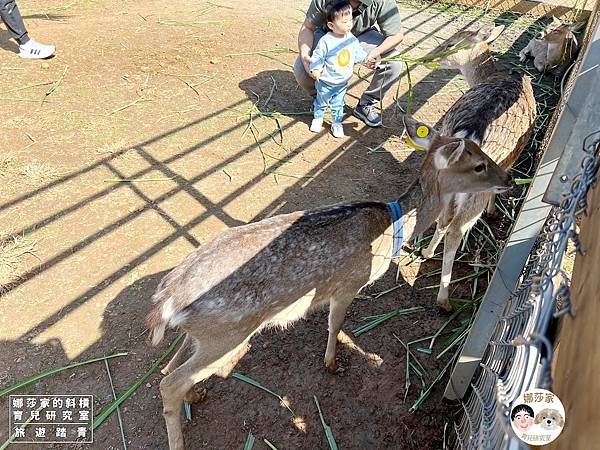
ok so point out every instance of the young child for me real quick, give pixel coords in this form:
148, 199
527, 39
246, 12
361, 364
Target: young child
331, 66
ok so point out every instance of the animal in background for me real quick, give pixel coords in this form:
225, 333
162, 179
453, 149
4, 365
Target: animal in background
555, 48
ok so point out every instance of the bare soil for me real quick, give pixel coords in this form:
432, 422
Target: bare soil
150, 90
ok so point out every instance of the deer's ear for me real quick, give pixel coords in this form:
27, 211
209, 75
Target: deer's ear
418, 135
556, 21
448, 154
490, 34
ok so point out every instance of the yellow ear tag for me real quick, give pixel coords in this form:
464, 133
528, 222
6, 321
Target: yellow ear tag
412, 144
422, 131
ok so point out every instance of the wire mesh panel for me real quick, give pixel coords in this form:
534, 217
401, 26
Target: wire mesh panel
519, 354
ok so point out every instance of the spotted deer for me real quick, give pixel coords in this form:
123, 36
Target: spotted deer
274, 271
555, 48
497, 113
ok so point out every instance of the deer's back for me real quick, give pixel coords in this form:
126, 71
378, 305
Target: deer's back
498, 113
260, 268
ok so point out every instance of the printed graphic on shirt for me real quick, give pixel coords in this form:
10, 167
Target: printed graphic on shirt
343, 57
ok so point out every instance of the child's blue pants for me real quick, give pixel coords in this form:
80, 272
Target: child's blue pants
332, 96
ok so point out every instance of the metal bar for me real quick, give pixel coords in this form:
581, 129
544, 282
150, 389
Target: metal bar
580, 117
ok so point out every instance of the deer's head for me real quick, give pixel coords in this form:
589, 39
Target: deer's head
556, 45
468, 44
460, 165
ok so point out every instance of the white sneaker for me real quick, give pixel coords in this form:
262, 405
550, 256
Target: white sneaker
316, 125
337, 130
34, 50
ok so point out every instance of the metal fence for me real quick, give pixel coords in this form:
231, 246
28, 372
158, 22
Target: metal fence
519, 355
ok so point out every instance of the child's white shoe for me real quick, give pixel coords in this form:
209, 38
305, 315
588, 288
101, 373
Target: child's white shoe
316, 125
34, 50
337, 130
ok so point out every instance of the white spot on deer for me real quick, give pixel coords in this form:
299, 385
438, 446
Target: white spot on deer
168, 309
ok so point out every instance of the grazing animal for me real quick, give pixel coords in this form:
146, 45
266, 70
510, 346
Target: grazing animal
555, 48
274, 271
498, 113
549, 419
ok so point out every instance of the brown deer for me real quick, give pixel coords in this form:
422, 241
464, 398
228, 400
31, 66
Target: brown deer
274, 271
498, 113
555, 48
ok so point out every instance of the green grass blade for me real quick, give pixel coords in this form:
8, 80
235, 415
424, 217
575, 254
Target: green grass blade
327, 428
249, 441
255, 383
12, 436
108, 411
375, 321
187, 411
426, 393
112, 388
271, 446
28, 381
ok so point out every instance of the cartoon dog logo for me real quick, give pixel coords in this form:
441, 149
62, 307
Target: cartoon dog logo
549, 419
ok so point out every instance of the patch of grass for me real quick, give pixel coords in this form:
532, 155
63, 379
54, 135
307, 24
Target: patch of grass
13, 251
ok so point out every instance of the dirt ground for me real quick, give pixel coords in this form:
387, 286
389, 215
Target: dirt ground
165, 93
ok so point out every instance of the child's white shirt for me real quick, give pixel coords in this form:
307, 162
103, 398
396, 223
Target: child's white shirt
336, 57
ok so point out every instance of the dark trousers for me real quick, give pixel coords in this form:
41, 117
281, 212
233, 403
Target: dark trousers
9, 12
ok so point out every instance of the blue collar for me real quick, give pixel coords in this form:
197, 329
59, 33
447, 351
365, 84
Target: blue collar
397, 226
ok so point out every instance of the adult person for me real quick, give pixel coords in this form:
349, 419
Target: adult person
28, 48
379, 42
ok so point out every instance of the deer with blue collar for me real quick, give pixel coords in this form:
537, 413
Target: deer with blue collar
272, 272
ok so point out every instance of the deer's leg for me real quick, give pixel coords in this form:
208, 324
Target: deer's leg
457, 229
179, 357
178, 385
526, 51
174, 388
491, 206
438, 235
451, 244
337, 312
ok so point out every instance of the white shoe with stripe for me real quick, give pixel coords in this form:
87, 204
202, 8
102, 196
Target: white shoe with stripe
34, 50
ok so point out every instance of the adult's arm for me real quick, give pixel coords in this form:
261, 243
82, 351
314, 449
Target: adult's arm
306, 38
390, 24
388, 44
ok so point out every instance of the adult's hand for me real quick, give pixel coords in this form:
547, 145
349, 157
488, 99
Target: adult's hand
306, 63
373, 58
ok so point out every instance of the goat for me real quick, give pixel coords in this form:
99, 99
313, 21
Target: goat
498, 113
274, 271
555, 48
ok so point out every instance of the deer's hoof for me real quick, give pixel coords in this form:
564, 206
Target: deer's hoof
444, 304
332, 367
427, 254
195, 395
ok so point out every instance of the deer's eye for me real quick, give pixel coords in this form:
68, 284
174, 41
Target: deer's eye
479, 168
